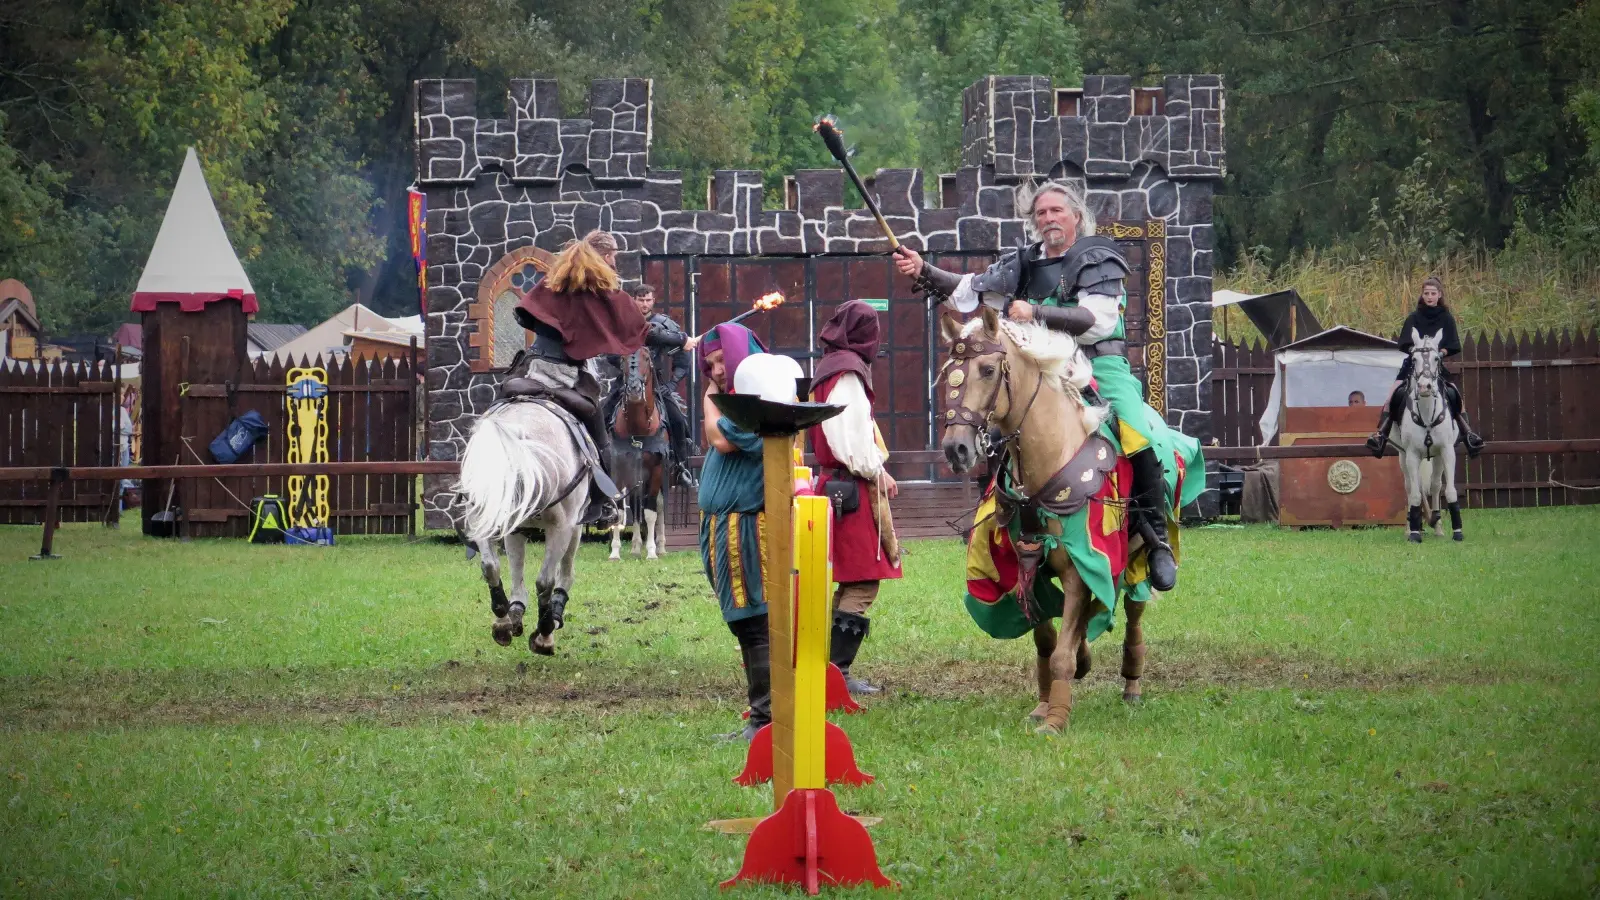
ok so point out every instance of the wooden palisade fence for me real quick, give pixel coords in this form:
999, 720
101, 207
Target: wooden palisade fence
372, 408
1539, 387
58, 414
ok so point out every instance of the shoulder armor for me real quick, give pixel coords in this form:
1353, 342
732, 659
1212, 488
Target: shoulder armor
1001, 277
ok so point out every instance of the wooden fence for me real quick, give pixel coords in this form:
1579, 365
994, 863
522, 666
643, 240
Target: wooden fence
372, 410
59, 414
1539, 387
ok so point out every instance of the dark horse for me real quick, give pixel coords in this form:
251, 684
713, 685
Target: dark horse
638, 453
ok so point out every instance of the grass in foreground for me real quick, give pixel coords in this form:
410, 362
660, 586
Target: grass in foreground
1328, 714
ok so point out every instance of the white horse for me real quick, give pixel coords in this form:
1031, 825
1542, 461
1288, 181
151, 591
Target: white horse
522, 470
1426, 436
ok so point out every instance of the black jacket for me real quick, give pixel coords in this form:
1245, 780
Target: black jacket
1429, 320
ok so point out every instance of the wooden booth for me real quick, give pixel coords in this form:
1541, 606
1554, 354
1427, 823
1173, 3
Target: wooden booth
193, 298
1326, 390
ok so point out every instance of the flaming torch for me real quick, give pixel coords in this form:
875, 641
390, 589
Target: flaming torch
828, 127
763, 303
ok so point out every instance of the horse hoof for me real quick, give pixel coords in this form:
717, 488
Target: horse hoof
542, 644
517, 610
502, 633
1458, 536
1414, 537
1132, 698
1039, 712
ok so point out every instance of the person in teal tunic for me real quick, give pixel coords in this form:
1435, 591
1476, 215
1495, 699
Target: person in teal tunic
1072, 280
732, 497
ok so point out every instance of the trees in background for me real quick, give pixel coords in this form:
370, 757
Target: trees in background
1416, 127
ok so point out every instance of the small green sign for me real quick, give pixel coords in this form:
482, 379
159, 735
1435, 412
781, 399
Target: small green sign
879, 305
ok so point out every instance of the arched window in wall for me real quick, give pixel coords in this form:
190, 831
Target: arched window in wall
497, 337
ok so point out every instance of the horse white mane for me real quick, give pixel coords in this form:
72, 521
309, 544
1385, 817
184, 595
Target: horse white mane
1056, 354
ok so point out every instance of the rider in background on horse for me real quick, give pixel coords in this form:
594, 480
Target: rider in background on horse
1430, 317
577, 313
732, 499
850, 460
669, 347
1071, 280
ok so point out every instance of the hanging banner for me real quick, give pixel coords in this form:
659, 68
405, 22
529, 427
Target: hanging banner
417, 218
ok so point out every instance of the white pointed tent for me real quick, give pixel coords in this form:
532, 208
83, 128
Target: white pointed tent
192, 262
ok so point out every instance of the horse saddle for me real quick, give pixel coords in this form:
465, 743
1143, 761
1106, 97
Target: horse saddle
573, 400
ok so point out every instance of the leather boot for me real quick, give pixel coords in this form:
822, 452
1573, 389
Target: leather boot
1149, 502
1378, 441
1468, 436
755, 649
1473, 441
1150, 506
603, 493
849, 630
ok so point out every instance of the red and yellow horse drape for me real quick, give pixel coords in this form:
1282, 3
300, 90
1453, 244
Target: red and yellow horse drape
1096, 540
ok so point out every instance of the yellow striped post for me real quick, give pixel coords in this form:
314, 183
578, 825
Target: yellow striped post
813, 621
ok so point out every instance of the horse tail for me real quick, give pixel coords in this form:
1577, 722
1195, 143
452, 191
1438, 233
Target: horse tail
511, 470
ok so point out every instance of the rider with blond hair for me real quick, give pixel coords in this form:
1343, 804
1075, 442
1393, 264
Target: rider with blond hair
577, 313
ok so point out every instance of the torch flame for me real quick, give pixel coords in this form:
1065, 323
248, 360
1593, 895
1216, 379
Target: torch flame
768, 301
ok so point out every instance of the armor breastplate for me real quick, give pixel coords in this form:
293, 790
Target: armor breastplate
1043, 278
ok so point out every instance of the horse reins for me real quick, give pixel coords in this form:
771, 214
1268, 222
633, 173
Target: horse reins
959, 413
1416, 411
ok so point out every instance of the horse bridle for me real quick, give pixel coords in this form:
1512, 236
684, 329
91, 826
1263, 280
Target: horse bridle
958, 412
1417, 373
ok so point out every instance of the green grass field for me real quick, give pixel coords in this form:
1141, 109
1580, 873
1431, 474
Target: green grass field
1328, 714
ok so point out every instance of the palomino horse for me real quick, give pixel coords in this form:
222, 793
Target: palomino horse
637, 469
1426, 438
1027, 381
522, 470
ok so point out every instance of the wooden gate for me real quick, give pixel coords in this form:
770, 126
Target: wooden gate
59, 414
700, 292
372, 411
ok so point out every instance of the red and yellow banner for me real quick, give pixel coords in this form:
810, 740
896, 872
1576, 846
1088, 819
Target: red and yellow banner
417, 219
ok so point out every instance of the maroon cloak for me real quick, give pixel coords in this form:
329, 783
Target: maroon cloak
591, 323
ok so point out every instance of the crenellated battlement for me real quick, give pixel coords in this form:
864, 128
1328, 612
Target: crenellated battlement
533, 145
1025, 127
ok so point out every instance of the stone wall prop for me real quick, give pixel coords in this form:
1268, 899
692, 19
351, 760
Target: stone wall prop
538, 179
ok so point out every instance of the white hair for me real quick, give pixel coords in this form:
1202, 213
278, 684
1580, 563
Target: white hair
1071, 194
1057, 355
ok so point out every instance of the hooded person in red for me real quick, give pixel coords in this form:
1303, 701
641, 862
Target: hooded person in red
850, 461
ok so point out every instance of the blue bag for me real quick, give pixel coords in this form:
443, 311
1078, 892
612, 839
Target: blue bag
237, 439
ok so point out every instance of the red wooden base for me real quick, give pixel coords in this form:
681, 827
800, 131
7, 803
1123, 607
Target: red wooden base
838, 695
838, 762
809, 842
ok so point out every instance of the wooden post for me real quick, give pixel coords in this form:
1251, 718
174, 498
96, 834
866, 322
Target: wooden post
52, 513
114, 516
410, 440
777, 579
185, 493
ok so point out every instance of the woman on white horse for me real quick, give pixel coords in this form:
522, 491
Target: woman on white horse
1430, 317
577, 313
